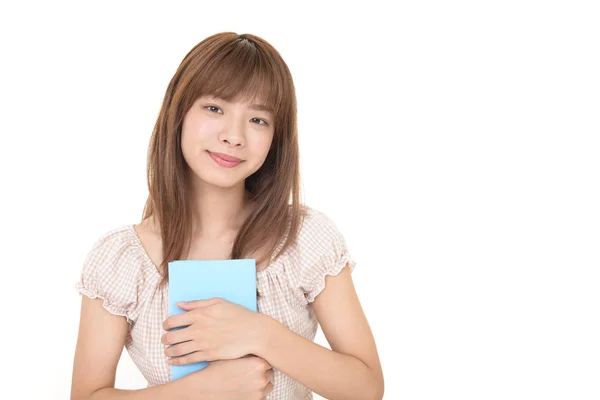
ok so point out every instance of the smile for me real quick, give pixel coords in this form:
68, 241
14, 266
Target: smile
225, 160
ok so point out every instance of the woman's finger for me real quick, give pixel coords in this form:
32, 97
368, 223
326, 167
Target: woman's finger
188, 358
178, 321
181, 349
268, 389
176, 336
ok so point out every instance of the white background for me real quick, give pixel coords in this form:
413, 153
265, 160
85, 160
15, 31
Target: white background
455, 144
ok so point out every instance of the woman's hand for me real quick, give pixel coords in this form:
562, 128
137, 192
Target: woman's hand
213, 329
244, 378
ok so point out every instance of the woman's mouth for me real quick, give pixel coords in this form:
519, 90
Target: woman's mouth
225, 160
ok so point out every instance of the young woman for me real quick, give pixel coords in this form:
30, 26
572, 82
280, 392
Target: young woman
223, 179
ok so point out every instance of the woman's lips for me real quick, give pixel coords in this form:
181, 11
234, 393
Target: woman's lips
224, 160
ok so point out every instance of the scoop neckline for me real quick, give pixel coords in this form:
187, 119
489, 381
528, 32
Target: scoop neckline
149, 260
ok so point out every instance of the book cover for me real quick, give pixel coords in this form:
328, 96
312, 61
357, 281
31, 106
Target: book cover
231, 280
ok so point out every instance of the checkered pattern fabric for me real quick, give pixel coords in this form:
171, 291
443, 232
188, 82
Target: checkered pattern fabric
119, 271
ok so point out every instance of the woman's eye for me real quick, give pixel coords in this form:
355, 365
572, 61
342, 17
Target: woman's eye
260, 120
217, 110
212, 108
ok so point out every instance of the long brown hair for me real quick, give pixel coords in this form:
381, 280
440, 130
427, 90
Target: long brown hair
232, 67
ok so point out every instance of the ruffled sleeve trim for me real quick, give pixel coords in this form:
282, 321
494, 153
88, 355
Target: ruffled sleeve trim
320, 251
110, 307
116, 271
333, 270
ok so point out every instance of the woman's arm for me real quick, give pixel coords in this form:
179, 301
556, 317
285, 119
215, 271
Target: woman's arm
216, 329
351, 370
100, 344
99, 347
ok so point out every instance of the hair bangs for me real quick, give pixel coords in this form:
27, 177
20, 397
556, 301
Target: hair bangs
245, 74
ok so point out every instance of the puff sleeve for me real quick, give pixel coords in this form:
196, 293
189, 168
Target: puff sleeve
322, 251
112, 272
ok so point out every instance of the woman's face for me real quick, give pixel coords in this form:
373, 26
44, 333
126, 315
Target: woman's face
224, 143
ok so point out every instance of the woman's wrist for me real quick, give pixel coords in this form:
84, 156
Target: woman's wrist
184, 389
264, 328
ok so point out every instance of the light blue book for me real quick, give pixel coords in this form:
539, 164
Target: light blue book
231, 280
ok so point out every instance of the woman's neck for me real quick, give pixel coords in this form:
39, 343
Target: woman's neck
219, 213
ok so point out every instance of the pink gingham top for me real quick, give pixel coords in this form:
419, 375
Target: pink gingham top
119, 271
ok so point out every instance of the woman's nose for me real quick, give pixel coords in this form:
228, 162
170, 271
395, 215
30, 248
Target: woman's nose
233, 134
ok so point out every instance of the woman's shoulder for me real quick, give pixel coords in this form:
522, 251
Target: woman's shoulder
116, 270
117, 242
119, 248
319, 250
118, 236
317, 226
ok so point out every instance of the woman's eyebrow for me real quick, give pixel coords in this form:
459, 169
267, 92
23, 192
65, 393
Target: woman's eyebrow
261, 107
256, 107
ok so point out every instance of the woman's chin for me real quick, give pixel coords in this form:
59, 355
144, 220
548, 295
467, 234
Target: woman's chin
220, 182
